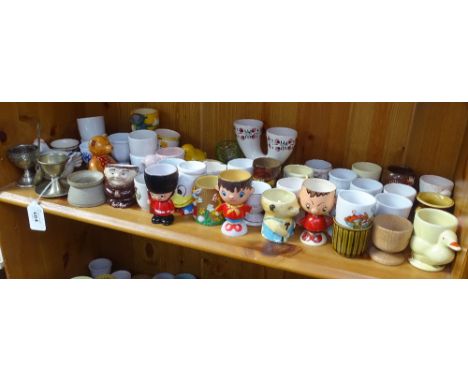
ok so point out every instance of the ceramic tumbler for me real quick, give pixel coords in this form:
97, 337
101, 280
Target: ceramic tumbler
298, 171
321, 168
120, 147
368, 185
141, 192
367, 170
143, 142
90, 127
355, 209
138, 161
434, 183
214, 167
401, 189
167, 138
293, 185
342, 178
393, 204
255, 216
350, 242
266, 170
399, 174
144, 118
100, 266
205, 201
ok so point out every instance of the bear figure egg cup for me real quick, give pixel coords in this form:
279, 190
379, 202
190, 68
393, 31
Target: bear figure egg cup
317, 198
161, 181
235, 188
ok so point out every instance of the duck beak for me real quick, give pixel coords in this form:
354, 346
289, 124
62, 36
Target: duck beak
455, 246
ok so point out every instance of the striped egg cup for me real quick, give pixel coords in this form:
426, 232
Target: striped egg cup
350, 242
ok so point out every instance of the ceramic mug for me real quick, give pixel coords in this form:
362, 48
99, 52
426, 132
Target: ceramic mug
342, 178
266, 170
355, 209
168, 138
205, 201
120, 147
434, 200
255, 216
241, 164
298, 171
368, 185
367, 170
321, 168
293, 185
350, 242
214, 167
143, 142
141, 192
400, 189
434, 183
144, 118
90, 127
100, 266
393, 204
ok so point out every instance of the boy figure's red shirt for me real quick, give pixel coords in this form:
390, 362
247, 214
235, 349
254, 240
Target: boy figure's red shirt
234, 212
160, 208
316, 223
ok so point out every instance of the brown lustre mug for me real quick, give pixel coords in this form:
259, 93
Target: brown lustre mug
399, 174
266, 170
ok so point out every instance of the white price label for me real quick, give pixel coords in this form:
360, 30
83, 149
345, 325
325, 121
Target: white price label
36, 217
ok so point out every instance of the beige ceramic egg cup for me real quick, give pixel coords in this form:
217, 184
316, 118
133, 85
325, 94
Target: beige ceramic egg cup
390, 237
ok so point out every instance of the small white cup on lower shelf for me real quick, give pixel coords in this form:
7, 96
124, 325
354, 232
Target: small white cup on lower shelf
122, 274
100, 266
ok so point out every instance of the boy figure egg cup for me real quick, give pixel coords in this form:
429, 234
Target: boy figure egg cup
161, 181
317, 198
235, 188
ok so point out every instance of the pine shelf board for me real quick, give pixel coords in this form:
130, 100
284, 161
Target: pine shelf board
317, 262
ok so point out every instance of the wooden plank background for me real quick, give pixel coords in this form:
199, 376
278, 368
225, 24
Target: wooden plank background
430, 137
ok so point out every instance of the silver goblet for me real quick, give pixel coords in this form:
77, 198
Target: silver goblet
24, 157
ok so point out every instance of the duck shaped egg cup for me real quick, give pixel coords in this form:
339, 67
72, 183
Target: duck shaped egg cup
434, 242
161, 181
235, 188
189, 171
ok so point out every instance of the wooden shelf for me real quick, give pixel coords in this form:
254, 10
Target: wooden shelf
319, 262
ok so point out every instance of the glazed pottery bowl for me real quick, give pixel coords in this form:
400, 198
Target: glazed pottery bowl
298, 171
144, 118
120, 147
434, 200
429, 223
266, 170
368, 185
86, 189
241, 164
168, 138
367, 170
401, 189
391, 233
143, 142
281, 142
255, 217
393, 204
205, 200
90, 127
434, 183
355, 209
321, 167
293, 185
342, 178
100, 266
65, 144
161, 178
350, 242
141, 192
399, 174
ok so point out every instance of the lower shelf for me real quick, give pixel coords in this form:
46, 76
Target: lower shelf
317, 262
